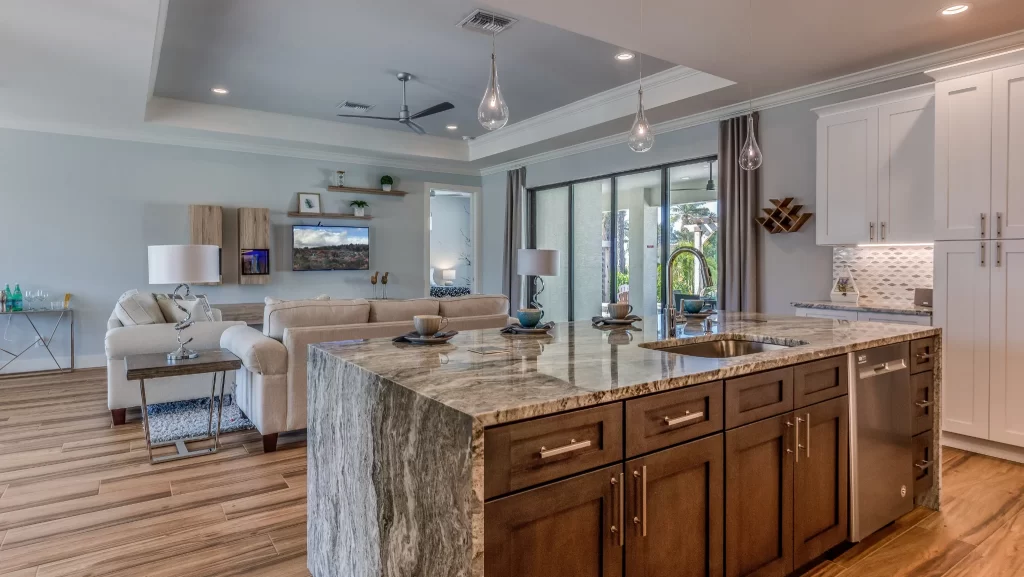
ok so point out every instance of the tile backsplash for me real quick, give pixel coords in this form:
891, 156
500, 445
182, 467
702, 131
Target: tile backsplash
886, 274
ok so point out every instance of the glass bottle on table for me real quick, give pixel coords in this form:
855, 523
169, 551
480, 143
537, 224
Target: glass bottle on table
17, 297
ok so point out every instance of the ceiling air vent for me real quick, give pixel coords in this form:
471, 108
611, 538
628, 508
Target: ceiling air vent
486, 22
355, 107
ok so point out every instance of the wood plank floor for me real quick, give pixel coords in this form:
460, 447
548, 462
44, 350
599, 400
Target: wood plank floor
79, 497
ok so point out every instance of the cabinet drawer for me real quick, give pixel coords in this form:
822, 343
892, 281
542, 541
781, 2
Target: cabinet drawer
666, 419
524, 454
820, 381
923, 463
921, 385
922, 355
758, 396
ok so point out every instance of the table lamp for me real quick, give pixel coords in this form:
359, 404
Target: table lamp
181, 265
448, 275
538, 262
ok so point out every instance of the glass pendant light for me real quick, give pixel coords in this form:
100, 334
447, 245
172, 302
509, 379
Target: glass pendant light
750, 153
493, 112
641, 137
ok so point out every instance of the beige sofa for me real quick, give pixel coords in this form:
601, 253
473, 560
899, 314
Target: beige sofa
271, 387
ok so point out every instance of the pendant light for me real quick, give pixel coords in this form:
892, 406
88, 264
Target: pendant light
493, 112
750, 152
641, 137
711, 177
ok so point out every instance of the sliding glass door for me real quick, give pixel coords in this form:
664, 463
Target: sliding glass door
637, 246
591, 251
551, 209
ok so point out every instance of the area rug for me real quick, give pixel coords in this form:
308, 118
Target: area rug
184, 419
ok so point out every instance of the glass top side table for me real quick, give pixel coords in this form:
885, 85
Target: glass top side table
9, 316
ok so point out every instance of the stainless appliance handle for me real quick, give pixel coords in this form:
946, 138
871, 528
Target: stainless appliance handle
642, 520
686, 418
797, 436
923, 465
546, 453
884, 369
983, 225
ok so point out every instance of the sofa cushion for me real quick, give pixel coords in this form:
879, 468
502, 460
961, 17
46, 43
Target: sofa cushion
135, 308
389, 311
474, 306
173, 314
312, 313
274, 301
259, 353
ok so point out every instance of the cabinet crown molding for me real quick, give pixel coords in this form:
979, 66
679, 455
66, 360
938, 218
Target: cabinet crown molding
920, 91
978, 65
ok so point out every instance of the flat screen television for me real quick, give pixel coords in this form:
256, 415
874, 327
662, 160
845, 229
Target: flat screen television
316, 247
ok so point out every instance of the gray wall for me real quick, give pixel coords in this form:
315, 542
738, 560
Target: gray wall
78, 214
449, 248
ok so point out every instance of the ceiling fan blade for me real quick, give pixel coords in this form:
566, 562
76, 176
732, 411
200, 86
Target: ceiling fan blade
362, 116
433, 110
415, 127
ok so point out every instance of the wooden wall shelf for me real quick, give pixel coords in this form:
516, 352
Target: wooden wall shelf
366, 190
330, 215
206, 226
785, 217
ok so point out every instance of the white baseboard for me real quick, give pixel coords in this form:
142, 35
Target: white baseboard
983, 447
45, 363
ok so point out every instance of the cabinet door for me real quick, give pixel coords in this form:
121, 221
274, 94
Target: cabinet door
963, 157
1007, 391
847, 194
906, 171
676, 500
567, 528
1007, 151
759, 499
962, 283
827, 314
894, 318
821, 479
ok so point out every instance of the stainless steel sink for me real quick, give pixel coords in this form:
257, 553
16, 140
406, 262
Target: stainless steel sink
722, 349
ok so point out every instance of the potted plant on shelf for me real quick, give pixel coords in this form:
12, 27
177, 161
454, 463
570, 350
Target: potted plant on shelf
386, 182
359, 206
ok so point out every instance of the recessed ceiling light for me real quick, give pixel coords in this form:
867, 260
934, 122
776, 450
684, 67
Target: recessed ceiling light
955, 9
452, 127
219, 90
625, 55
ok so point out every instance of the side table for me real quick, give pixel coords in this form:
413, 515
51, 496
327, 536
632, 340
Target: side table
154, 366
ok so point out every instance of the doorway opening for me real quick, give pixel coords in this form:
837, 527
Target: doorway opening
452, 246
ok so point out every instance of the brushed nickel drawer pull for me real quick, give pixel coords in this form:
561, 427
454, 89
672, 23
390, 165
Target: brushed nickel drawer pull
808, 425
923, 465
572, 446
983, 225
797, 439
621, 482
923, 404
871, 231
999, 225
614, 527
686, 418
923, 357
882, 225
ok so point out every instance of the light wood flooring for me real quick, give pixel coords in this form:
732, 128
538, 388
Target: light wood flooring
79, 497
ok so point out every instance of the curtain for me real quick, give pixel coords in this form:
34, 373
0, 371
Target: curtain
739, 238
511, 282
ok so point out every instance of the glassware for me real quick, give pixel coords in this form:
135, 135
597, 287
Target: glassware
42, 297
492, 112
641, 138
56, 305
750, 154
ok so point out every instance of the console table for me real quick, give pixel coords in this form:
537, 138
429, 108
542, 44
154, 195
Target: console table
9, 316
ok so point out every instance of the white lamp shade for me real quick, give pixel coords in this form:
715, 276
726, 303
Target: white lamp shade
184, 263
538, 262
448, 274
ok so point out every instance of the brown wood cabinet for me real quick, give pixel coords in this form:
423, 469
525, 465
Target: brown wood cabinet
821, 479
658, 421
569, 528
820, 381
675, 511
759, 499
922, 387
758, 396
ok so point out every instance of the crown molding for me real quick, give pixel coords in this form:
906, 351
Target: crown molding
950, 57
978, 65
919, 91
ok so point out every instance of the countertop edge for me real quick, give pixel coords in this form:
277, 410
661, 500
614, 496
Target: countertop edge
866, 308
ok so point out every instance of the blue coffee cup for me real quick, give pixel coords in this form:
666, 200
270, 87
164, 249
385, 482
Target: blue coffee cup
693, 306
529, 318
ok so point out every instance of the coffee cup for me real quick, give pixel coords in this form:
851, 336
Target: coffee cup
619, 310
429, 325
529, 318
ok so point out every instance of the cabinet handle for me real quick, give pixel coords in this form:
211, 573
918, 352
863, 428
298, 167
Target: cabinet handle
615, 527
923, 465
923, 357
871, 231
686, 418
923, 404
789, 424
572, 446
622, 508
999, 225
642, 520
982, 254
983, 225
883, 229
999, 254
797, 438
808, 425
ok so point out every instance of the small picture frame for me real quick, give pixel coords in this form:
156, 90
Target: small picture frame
309, 203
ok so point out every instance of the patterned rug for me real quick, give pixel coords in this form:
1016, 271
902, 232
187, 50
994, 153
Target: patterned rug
184, 419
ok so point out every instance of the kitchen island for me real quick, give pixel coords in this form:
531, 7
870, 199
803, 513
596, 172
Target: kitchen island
414, 451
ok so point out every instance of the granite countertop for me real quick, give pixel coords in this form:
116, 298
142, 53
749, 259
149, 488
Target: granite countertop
578, 365
897, 308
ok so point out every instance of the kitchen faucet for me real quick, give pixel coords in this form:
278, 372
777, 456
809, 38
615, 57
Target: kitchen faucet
705, 277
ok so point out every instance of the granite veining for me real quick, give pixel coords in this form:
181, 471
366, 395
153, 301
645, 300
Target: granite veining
867, 306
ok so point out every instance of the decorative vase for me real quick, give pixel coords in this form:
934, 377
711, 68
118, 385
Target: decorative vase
360, 211
387, 187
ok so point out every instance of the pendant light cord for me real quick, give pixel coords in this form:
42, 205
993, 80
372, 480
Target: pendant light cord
641, 55
750, 46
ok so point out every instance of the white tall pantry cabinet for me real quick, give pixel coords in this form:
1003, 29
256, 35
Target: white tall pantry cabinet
979, 249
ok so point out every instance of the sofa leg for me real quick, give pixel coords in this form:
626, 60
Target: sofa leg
270, 443
118, 415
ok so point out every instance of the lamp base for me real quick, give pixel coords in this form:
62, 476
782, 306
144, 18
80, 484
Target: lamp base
538, 288
182, 354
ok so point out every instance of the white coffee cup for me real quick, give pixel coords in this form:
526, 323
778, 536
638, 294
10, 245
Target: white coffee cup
429, 325
619, 310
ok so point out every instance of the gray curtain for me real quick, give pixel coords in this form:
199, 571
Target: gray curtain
511, 282
739, 238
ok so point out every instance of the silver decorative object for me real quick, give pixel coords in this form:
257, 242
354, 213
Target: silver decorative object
183, 352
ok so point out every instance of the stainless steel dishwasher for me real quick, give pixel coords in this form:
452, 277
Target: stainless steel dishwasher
881, 450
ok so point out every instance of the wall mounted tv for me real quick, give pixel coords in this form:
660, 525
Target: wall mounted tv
330, 248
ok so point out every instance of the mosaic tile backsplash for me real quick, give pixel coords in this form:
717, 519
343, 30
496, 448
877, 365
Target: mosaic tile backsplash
886, 274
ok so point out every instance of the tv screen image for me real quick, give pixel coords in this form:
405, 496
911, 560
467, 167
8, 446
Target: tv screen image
330, 248
255, 261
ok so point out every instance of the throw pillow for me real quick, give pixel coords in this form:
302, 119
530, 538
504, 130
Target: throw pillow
135, 308
174, 315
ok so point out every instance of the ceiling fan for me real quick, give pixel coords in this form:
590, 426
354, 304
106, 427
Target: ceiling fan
403, 114
710, 186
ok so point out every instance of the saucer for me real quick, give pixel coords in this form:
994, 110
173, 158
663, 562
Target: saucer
698, 316
436, 339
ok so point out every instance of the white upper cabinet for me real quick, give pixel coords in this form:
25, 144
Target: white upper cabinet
1008, 152
963, 157
875, 159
